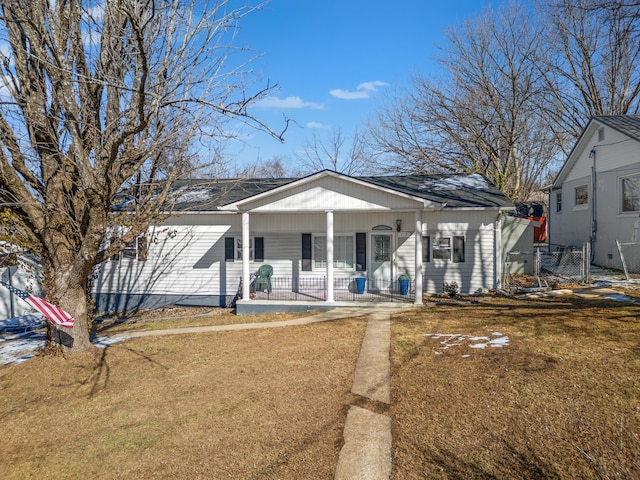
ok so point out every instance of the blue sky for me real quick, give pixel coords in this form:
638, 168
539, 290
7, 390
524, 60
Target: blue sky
335, 60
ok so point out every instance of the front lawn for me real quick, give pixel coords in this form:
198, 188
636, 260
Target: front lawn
490, 388
554, 393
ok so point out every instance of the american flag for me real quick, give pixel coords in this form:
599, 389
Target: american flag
53, 313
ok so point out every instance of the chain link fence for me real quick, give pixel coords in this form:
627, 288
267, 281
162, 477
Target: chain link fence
564, 265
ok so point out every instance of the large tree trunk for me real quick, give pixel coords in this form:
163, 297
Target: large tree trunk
74, 302
67, 289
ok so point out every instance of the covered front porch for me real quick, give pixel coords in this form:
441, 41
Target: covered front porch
356, 242
372, 274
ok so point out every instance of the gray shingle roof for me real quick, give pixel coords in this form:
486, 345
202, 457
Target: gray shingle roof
455, 191
469, 191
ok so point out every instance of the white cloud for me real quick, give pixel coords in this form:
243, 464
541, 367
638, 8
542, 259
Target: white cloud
318, 125
364, 90
288, 102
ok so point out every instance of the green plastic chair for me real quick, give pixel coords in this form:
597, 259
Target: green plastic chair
263, 279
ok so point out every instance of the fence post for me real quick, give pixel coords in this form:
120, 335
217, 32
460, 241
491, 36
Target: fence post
586, 262
624, 264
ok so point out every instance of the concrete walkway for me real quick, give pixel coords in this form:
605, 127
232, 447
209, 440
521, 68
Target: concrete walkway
321, 317
366, 453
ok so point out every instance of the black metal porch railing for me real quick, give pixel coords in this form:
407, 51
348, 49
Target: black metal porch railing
344, 289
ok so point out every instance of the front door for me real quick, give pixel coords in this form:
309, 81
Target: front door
381, 258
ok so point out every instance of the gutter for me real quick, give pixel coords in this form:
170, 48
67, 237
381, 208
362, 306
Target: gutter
594, 213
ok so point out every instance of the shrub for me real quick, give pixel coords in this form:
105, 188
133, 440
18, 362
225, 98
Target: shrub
451, 289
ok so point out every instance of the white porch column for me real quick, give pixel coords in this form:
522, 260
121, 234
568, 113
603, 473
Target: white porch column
418, 258
246, 280
330, 256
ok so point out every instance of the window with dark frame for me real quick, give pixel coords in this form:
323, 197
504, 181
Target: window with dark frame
558, 202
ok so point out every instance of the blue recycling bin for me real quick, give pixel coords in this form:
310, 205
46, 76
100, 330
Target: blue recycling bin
404, 286
360, 283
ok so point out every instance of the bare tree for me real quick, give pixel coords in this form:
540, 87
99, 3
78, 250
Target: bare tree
102, 98
484, 117
593, 63
334, 152
518, 89
274, 168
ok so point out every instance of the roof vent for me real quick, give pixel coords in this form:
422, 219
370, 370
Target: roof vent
601, 134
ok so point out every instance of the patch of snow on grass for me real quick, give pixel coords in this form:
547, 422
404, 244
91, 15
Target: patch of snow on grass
19, 347
499, 342
103, 342
496, 340
620, 297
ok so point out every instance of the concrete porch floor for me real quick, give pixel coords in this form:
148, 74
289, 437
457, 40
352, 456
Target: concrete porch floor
258, 305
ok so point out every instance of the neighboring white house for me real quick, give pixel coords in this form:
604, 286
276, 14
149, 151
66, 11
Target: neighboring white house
596, 196
318, 232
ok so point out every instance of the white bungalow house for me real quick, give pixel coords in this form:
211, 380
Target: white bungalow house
319, 234
595, 198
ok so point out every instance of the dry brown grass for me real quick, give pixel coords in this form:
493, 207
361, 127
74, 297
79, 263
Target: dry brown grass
182, 317
561, 401
261, 404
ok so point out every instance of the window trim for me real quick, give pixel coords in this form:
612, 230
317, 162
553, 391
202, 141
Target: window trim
559, 202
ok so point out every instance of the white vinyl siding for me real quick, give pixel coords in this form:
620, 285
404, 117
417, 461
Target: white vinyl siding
478, 269
189, 259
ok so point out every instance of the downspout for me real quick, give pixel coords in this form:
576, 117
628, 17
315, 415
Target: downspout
594, 217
